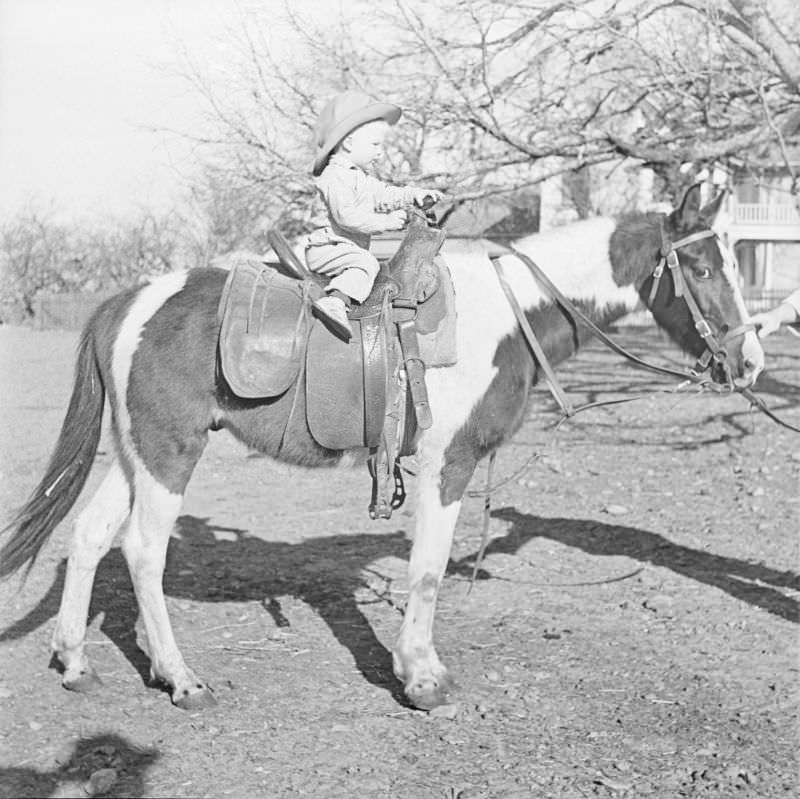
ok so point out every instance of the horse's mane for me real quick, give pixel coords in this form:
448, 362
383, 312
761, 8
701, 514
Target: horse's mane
634, 244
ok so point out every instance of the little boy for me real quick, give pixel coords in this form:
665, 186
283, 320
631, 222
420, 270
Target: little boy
352, 205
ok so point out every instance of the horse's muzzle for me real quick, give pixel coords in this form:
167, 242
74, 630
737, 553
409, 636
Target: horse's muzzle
746, 361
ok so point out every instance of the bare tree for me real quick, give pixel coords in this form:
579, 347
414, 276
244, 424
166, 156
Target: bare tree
39, 254
502, 94
30, 247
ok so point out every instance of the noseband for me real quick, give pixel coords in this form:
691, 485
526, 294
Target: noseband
715, 349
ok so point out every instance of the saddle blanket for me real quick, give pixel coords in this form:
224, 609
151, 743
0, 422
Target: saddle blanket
437, 346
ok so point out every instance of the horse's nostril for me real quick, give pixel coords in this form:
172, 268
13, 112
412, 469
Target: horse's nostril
749, 365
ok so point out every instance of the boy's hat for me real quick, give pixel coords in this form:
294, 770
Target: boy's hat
341, 116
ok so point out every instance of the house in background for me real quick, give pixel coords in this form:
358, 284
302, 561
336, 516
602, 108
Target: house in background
764, 231
761, 223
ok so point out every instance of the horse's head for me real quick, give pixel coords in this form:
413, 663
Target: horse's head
693, 293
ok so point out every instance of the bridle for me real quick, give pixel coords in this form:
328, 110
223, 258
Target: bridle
715, 350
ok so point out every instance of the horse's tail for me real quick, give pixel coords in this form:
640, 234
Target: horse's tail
69, 464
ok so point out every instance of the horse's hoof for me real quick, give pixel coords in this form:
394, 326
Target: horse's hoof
201, 699
86, 682
427, 694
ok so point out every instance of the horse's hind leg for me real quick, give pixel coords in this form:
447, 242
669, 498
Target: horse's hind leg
155, 510
95, 528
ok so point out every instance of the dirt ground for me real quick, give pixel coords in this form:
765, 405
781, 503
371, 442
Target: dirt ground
633, 632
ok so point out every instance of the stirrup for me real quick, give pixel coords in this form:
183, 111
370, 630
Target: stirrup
381, 505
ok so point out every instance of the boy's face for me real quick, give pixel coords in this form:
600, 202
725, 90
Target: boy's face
365, 144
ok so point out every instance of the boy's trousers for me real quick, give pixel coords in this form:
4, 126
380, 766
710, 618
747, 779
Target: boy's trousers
354, 269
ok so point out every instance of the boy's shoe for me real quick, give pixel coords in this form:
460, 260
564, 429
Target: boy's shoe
333, 313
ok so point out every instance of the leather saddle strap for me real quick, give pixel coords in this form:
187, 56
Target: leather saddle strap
373, 353
415, 369
536, 348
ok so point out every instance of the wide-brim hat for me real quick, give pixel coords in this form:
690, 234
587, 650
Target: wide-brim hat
341, 116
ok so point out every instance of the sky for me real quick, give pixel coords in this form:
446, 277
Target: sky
89, 92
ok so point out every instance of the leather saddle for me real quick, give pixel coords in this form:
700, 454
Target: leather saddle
368, 392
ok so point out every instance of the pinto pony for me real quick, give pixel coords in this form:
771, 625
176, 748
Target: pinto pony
151, 353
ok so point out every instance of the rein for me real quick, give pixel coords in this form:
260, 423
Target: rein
759, 403
552, 382
714, 351
714, 348
576, 312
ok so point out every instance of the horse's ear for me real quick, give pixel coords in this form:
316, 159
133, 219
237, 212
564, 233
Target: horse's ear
710, 212
688, 214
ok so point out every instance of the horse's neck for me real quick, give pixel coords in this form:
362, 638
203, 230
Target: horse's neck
577, 259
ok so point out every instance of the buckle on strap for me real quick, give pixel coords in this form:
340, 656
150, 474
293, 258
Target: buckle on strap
703, 328
657, 272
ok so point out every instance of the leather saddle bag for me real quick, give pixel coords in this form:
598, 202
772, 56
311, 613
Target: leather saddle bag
265, 319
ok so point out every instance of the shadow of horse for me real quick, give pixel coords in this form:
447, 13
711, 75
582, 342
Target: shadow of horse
328, 572
128, 763
754, 583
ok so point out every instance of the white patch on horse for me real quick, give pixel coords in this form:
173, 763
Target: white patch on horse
144, 545
94, 531
729, 273
483, 319
148, 301
576, 258
752, 351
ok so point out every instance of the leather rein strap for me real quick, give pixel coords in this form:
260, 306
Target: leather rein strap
536, 348
762, 406
670, 259
552, 382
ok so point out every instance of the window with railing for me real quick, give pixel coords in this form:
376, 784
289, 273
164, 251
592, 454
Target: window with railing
765, 214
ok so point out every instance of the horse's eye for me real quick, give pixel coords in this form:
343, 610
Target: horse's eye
703, 274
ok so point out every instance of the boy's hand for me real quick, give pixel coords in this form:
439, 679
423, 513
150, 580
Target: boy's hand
420, 195
396, 220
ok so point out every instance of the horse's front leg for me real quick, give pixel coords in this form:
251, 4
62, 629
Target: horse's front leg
425, 679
